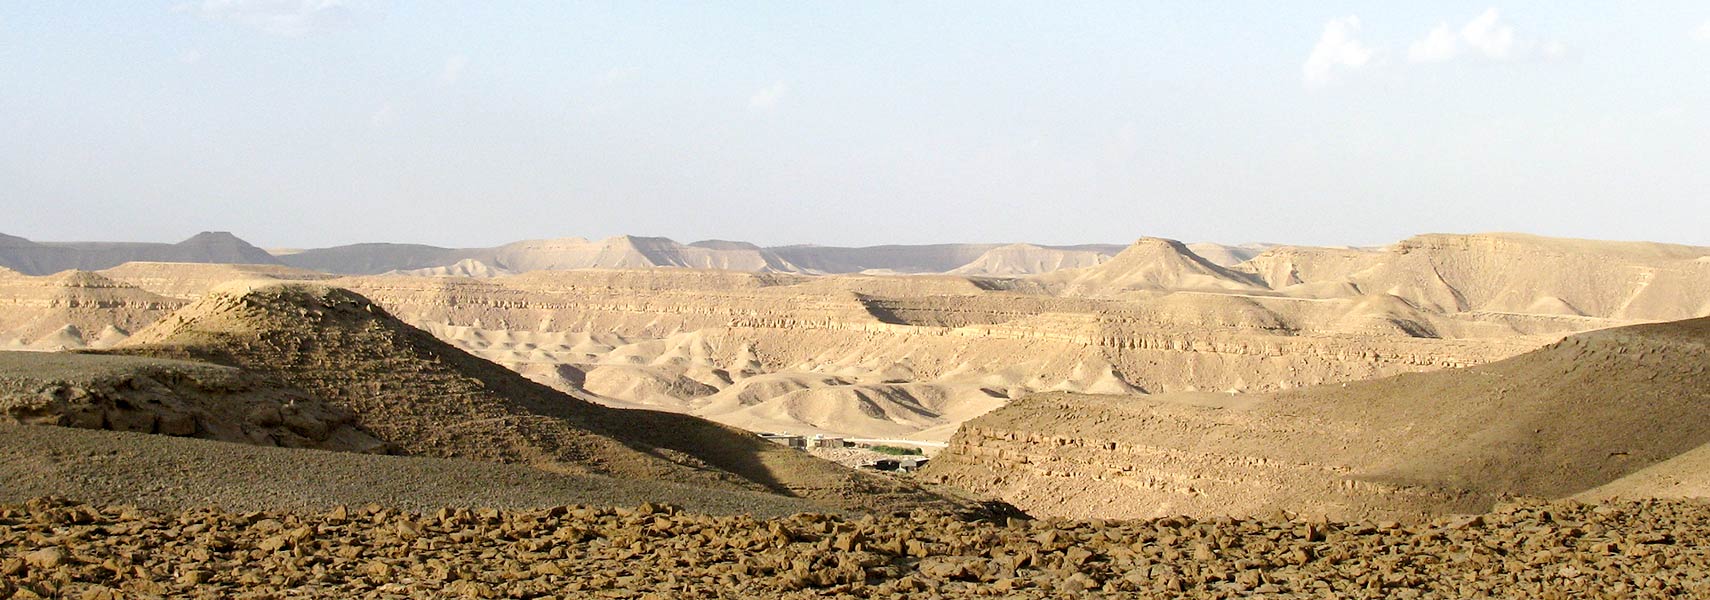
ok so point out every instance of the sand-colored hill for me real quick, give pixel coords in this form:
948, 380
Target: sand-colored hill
467, 267
927, 258
1511, 273
1151, 264
1226, 255
618, 252
632, 252
1028, 259
1572, 416
428, 398
43, 258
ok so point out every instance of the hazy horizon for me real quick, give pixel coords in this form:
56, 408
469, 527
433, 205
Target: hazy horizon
1123, 242
317, 123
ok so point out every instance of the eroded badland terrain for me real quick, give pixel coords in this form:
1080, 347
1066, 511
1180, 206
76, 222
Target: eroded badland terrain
1449, 416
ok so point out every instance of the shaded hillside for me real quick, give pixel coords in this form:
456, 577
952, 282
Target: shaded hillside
429, 398
171, 397
1571, 416
42, 258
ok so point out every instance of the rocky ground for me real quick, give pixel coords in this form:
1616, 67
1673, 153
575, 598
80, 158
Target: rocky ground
58, 549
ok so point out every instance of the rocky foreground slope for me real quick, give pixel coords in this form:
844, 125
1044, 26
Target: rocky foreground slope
171, 397
1575, 415
57, 549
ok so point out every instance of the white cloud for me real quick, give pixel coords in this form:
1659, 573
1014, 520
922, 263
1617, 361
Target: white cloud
1336, 50
1437, 46
1702, 33
282, 17
620, 75
190, 57
1486, 36
453, 70
768, 96
382, 116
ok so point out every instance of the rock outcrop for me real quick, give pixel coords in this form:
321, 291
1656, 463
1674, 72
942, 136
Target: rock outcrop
168, 397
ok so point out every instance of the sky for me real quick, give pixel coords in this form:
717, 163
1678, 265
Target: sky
307, 123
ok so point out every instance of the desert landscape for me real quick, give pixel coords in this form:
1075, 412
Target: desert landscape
1143, 421
306, 299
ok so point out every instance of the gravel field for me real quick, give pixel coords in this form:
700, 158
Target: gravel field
1562, 550
169, 473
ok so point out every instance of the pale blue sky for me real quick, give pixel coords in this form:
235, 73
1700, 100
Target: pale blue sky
323, 122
